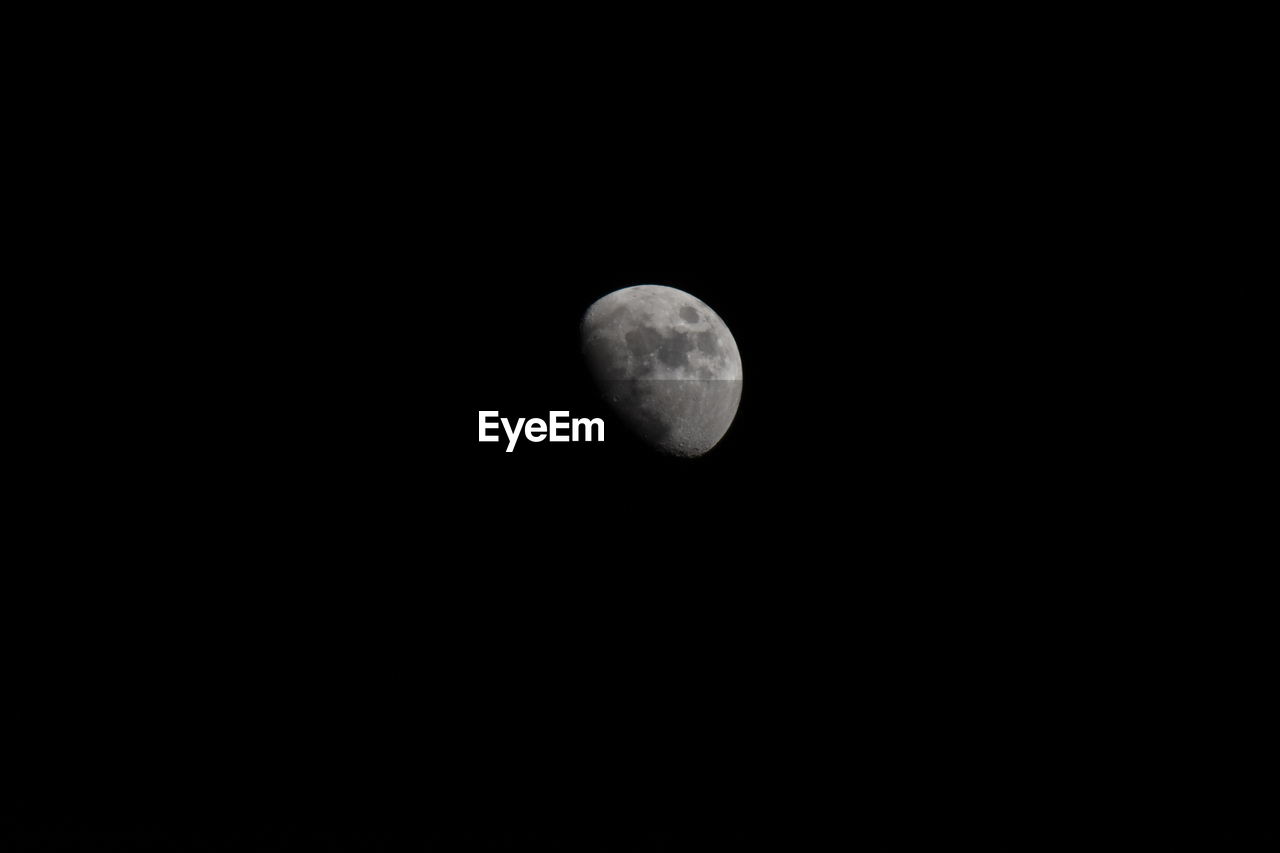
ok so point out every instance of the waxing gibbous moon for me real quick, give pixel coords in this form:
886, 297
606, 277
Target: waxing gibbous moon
666, 364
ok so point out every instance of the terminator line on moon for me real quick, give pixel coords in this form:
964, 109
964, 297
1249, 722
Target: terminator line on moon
666, 364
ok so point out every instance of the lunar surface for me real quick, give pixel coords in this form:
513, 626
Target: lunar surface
667, 365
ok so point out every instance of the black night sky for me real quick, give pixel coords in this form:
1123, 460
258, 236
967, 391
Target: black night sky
279, 597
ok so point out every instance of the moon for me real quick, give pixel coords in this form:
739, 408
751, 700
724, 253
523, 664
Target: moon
666, 364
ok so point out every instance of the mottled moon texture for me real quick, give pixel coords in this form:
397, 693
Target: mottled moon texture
667, 365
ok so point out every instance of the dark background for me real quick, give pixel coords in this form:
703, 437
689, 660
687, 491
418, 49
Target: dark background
276, 593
